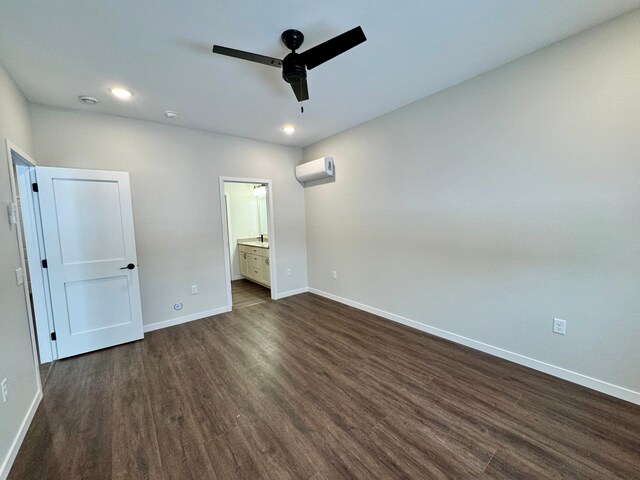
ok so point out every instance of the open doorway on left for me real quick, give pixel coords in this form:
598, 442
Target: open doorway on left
25, 218
22, 273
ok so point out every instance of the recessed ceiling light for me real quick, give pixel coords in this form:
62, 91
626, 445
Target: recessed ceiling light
171, 114
88, 100
289, 129
120, 92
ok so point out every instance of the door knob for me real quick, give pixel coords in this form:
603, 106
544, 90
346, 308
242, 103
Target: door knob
131, 266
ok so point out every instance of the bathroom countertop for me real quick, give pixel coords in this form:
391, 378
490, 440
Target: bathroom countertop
254, 243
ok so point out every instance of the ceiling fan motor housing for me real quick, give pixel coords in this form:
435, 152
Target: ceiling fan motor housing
292, 39
293, 69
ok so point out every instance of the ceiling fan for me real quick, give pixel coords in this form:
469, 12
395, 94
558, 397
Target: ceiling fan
294, 65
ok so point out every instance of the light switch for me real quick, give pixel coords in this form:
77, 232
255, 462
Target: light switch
12, 210
19, 276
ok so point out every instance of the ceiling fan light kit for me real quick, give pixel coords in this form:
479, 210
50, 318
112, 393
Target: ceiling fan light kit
295, 65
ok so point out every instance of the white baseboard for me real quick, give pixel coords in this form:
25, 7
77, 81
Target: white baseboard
216, 311
187, 318
580, 379
236, 277
290, 293
22, 432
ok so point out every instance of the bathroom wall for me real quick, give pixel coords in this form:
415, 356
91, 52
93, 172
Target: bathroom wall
244, 219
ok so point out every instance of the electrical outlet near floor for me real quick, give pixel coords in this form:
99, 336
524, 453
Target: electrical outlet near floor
5, 390
288, 272
194, 289
559, 326
335, 275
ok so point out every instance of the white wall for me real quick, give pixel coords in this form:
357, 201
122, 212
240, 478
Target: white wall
176, 200
16, 355
244, 221
493, 206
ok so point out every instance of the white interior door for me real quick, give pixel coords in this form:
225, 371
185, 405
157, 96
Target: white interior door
87, 223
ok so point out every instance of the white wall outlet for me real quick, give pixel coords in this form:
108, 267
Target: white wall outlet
5, 390
559, 326
288, 272
194, 289
334, 275
19, 276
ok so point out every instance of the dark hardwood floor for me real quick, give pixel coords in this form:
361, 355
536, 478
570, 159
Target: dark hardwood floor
245, 293
45, 368
305, 388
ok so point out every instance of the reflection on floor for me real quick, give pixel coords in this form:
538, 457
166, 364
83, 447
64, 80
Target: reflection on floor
247, 293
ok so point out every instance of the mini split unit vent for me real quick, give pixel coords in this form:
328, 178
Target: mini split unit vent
315, 169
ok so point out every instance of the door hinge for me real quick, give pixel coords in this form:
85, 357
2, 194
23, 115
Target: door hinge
34, 187
45, 264
53, 336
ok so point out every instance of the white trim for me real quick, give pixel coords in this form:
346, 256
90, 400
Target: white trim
236, 277
187, 318
225, 243
227, 210
19, 438
291, 293
7, 462
209, 313
574, 377
35, 250
34, 243
271, 233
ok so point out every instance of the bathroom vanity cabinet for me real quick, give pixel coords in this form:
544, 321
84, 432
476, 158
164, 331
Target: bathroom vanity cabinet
254, 262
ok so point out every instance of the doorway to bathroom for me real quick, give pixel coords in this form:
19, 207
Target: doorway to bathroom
249, 241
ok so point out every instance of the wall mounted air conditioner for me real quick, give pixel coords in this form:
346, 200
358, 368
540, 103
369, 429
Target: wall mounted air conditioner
315, 169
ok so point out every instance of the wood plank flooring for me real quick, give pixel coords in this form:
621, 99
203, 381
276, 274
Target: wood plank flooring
45, 368
245, 293
306, 388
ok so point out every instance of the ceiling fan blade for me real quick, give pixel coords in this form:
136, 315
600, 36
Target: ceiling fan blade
332, 48
252, 57
301, 89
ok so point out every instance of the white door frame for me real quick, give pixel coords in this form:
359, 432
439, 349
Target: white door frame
29, 221
225, 235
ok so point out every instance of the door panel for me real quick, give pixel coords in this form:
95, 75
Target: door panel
77, 202
97, 304
265, 272
88, 234
244, 264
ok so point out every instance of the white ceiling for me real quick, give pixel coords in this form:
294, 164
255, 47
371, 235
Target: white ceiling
57, 50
